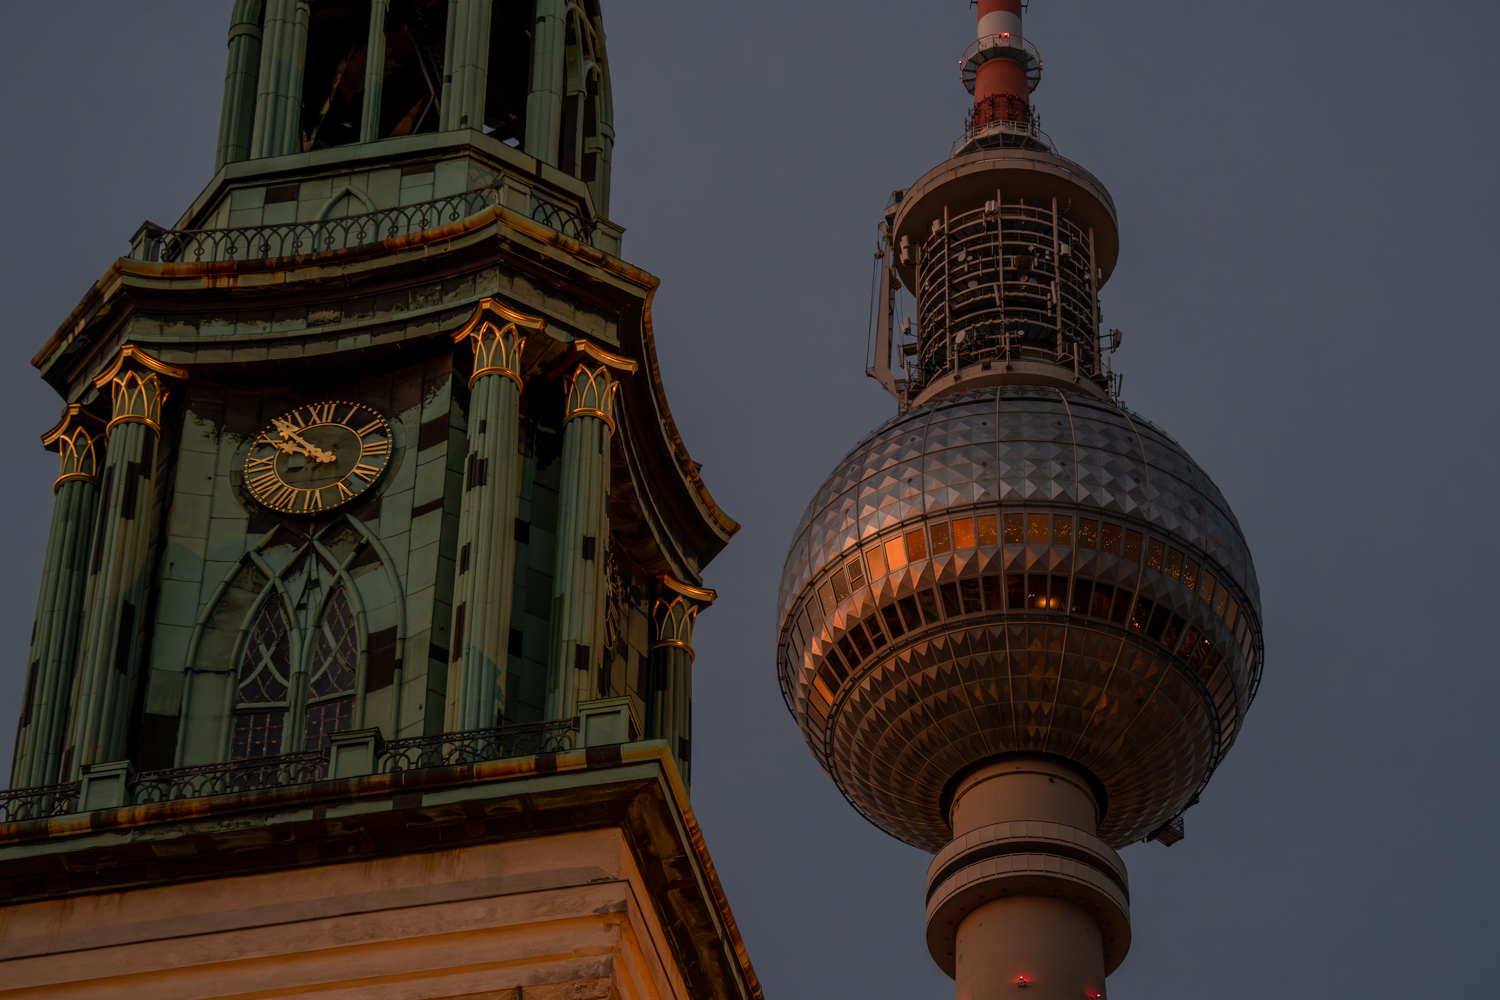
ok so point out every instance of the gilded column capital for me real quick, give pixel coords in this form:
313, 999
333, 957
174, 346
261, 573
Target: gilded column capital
676, 609
498, 336
592, 382
139, 385
75, 439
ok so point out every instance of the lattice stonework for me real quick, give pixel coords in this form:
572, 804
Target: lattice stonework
265, 673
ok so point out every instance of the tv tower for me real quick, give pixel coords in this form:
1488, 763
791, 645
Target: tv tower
1020, 626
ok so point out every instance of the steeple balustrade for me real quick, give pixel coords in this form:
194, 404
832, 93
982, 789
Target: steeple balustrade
351, 232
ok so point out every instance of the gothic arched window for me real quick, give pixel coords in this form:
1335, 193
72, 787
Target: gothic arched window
260, 709
331, 673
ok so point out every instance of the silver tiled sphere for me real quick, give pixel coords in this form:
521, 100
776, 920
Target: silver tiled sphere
1018, 569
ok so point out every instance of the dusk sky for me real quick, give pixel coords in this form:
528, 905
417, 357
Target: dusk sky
1308, 208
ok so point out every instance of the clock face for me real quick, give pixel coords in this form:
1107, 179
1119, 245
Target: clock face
318, 457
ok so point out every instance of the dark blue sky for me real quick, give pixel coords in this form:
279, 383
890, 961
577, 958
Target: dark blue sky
1308, 204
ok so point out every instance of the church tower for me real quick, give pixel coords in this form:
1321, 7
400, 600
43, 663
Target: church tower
363, 650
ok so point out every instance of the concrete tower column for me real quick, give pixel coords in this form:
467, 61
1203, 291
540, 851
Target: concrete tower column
54, 636
1027, 894
237, 119
119, 561
278, 95
486, 527
466, 66
669, 701
582, 525
544, 103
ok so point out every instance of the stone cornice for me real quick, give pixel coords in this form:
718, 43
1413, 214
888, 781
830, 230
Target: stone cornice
634, 787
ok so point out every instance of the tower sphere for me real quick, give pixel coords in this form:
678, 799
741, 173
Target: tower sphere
1018, 569
1020, 626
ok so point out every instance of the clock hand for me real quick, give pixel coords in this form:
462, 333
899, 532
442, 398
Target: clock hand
293, 443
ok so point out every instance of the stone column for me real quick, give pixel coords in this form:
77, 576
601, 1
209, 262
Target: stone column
544, 103
278, 95
1027, 895
466, 64
54, 635
369, 122
119, 561
582, 524
486, 527
669, 703
237, 119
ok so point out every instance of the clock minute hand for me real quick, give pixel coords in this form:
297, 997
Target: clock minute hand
294, 443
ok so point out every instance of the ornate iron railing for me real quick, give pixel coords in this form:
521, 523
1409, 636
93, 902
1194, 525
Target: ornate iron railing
252, 774
476, 745
297, 239
40, 802
230, 776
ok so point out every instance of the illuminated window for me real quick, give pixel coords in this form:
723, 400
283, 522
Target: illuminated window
1062, 529
261, 705
987, 534
1088, 533
876, 559
825, 594
1232, 613
856, 575
963, 533
940, 540
1206, 587
1155, 553
1132, 549
916, 545
1221, 600
1190, 575
1200, 653
1142, 614
895, 552
331, 673
1057, 600
1015, 529
1109, 539
1036, 591
1036, 529
1189, 642
840, 586
1174, 563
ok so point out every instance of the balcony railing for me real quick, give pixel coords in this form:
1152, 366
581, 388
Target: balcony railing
447, 749
230, 776
302, 767
350, 232
41, 802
